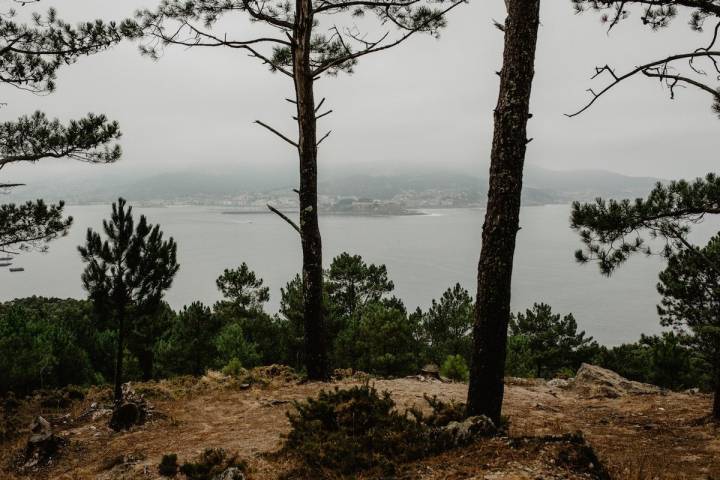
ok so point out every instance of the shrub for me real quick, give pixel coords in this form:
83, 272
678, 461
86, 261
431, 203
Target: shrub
455, 368
347, 431
210, 464
168, 465
234, 368
352, 430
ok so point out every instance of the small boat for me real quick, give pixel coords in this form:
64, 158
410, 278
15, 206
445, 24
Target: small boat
17, 269
5, 264
5, 259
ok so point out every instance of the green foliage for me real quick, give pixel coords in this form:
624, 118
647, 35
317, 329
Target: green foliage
231, 344
552, 341
352, 430
382, 340
690, 289
455, 368
45, 343
351, 284
668, 360
447, 325
234, 368
126, 277
519, 357
31, 225
190, 346
243, 288
30, 56
613, 230
291, 320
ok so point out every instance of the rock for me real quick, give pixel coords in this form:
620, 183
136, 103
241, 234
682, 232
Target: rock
125, 416
232, 473
431, 370
103, 412
594, 381
558, 383
42, 444
456, 434
40, 429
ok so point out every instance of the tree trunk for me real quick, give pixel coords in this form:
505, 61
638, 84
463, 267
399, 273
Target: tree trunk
315, 346
119, 355
485, 393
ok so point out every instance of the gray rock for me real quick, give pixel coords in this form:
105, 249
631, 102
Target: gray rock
232, 473
461, 433
558, 383
594, 381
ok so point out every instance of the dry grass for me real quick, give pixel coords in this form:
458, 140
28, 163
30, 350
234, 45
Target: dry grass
636, 437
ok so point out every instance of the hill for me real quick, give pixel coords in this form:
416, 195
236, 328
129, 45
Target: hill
413, 189
636, 432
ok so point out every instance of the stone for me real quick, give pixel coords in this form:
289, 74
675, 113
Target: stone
558, 383
125, 416
232, 473
456, 434
430, 370
594, 381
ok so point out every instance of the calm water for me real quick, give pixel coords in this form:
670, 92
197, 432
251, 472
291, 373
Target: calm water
424, 254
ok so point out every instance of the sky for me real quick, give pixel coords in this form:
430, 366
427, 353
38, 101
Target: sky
425, 104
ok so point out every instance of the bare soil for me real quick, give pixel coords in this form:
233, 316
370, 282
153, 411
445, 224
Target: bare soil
654, 436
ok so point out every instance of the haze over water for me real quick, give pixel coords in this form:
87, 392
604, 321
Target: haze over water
424, 254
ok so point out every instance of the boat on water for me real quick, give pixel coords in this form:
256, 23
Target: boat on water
5, 264
17, 269
5, 259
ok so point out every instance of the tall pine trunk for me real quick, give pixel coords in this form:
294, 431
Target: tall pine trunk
485, 393
118, 397
716, 399
315, 347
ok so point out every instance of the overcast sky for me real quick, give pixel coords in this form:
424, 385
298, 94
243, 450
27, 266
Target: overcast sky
427, 103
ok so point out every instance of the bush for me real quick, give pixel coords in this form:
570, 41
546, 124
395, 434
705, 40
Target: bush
234, 368
231, 344
352, 430
168, 465
455, 368
210, 464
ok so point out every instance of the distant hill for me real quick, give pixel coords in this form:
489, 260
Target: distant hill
541, 186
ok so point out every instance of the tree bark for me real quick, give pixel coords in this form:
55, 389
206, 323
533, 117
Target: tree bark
485, 393
119, 355
315, 346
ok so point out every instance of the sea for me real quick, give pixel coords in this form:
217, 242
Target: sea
424, 254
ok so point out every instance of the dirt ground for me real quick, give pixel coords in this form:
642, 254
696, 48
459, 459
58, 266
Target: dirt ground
656, 436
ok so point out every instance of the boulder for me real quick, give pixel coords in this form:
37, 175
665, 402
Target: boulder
594, 381
126, 415
42, 445
430, 370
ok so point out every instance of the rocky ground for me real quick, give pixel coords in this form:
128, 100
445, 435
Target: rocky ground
637, 431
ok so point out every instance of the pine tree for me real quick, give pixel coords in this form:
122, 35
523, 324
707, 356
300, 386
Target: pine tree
697, 68
612, 231
30, 56
127, 274
552, 339
301, 50
507, 158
